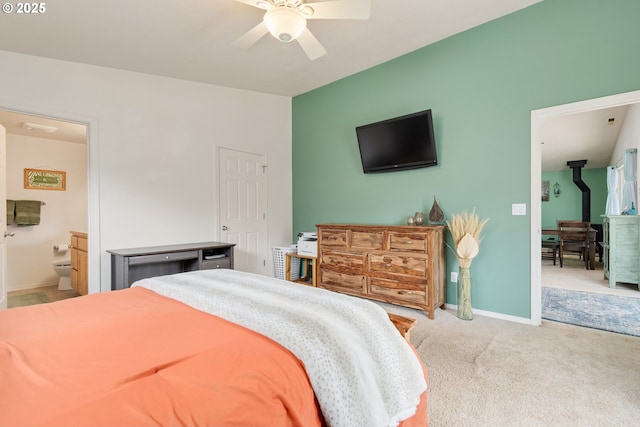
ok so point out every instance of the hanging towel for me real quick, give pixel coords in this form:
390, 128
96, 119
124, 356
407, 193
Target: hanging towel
28, 212
11, 211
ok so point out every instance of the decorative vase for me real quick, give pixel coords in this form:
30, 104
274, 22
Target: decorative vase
464, 294
419, 218
435, 214
410, 221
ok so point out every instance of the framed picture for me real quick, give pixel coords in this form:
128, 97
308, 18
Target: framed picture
545, 191
41, 179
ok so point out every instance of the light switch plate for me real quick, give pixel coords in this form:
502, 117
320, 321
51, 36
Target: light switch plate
519, 209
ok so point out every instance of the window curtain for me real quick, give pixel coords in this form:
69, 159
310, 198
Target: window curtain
613, 205
630, 186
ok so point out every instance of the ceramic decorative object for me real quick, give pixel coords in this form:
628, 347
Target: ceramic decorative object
436, 216
410, 221
418, 218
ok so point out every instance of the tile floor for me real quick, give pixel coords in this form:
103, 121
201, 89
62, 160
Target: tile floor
51, 293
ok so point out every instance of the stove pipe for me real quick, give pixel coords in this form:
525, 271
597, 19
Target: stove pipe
576, 166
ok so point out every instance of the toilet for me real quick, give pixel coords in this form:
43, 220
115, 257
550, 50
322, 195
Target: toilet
63, 268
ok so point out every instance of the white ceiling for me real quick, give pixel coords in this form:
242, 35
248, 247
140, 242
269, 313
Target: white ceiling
589, 136
193, 41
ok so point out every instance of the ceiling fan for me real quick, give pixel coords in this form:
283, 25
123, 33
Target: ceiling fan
286, 20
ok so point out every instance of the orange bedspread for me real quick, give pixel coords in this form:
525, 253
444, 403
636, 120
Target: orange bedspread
136, 358
133, 357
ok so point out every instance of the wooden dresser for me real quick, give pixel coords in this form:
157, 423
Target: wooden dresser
396, 264
621, 249
79, 270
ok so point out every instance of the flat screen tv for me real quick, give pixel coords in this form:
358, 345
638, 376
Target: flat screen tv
400, 143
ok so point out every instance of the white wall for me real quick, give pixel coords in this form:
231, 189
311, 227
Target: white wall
154, 142
629, 134
629, 138
30, 251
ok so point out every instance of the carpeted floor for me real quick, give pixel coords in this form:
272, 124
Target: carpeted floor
489, 372
600, 311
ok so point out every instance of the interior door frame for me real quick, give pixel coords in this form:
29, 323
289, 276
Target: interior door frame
93, 187
538, 117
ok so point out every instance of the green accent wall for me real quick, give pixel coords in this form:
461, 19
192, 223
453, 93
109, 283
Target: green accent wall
481, 86
568, 205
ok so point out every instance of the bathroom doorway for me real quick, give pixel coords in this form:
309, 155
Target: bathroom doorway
43, 144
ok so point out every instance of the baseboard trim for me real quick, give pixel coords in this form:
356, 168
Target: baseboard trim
495, 315
31, 286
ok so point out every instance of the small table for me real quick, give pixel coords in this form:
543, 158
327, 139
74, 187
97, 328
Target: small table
309, 268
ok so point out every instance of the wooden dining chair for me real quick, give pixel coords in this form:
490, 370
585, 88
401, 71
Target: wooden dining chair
574, 237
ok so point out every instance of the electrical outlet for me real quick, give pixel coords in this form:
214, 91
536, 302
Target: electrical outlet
454, 277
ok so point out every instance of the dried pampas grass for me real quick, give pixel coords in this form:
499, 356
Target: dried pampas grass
465, 229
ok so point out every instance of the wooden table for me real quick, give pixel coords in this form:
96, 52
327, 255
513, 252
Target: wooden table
309, 269
592, 243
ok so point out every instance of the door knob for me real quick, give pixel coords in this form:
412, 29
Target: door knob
9, 233
225, 228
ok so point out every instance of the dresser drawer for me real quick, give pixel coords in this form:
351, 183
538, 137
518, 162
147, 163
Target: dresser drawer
343, 260
367, 240
165, 257
334, 238
342, 282
408, 242
412, 293
398, 264
211, 264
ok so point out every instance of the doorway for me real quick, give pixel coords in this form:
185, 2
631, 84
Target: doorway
538, 118
14, 119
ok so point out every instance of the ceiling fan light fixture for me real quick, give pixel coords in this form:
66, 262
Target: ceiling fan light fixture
285, 23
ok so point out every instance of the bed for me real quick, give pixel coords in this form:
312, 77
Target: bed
208, 348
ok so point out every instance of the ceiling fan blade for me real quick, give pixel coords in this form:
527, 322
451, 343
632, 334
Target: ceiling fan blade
250, 37
253, 3
351, 9
310, 45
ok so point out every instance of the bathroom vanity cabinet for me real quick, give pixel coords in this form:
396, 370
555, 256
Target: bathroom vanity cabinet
129, 265
79, 271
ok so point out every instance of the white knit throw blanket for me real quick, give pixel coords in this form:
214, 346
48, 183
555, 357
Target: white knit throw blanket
362, 371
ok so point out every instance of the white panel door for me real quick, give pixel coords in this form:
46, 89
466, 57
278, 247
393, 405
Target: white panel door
3, 217
243, 208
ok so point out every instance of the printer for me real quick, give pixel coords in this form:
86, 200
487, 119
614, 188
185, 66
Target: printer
308, 244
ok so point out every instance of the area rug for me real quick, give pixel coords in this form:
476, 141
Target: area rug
27, 299
599, 311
